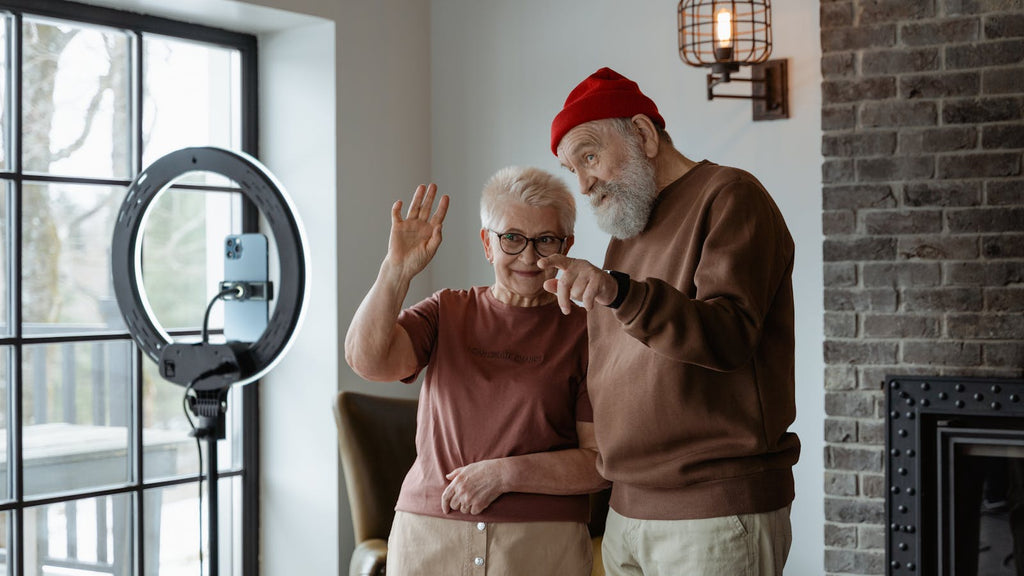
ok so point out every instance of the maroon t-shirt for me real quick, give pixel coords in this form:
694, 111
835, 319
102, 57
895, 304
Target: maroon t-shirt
501, 381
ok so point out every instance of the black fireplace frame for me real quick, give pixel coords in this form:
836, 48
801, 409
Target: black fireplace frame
911, 400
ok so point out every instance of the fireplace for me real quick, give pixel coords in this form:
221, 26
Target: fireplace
955, 476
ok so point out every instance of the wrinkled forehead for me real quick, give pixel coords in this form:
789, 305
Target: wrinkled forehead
590, 135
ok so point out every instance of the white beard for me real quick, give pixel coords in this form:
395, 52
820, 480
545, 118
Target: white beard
627, 201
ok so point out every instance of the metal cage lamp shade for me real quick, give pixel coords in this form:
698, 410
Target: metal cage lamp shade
726, 34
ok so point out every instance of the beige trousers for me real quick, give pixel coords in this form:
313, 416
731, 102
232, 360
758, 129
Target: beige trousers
429, 546
743, 545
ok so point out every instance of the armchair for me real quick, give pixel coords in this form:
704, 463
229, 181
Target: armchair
377, 444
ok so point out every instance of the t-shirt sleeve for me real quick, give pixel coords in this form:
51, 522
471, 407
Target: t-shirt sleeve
420, 322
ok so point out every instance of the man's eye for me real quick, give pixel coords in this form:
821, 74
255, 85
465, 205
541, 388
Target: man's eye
590, 158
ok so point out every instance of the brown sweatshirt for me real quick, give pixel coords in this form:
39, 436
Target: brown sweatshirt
691, 378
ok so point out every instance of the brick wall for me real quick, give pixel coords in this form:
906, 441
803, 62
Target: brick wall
923, 195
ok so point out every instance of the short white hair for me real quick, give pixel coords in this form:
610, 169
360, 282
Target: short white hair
529, 186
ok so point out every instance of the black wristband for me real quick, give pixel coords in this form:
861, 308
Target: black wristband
622, 280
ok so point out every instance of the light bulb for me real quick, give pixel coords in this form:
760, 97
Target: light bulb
723, 25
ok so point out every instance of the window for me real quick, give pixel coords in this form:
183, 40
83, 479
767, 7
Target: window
98, 472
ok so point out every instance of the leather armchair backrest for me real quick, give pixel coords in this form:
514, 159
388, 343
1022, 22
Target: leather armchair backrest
377, 444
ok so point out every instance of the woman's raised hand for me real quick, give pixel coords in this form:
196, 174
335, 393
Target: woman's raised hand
415, 239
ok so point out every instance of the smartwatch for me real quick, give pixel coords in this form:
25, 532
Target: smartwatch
622, 280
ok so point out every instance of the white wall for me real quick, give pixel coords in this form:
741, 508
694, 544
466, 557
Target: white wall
363, 100
501, 71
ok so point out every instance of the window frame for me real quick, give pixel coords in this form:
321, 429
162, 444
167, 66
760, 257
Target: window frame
136, 25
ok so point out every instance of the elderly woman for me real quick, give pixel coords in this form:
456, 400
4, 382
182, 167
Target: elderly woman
505, 439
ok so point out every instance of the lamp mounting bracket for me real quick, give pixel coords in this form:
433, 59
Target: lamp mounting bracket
769, 89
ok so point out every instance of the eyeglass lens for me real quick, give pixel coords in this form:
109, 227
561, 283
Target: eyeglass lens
512, 243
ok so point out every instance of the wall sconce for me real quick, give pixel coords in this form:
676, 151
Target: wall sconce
726, 34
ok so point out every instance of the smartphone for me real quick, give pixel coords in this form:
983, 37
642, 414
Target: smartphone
245, 260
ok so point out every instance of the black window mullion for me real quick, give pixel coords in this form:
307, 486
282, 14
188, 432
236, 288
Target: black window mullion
15, 447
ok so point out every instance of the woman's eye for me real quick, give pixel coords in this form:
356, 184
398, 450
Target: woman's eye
546, 240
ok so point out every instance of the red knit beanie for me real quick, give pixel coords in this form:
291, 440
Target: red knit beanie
603, 94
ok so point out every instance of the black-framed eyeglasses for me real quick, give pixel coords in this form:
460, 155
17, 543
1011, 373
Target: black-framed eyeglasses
513, 243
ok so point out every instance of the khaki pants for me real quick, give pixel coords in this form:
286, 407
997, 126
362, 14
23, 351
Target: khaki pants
429, 546
743, 545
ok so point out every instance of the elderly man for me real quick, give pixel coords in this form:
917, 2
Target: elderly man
691, 372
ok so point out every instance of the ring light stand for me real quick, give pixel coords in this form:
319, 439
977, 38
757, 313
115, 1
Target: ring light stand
209, 370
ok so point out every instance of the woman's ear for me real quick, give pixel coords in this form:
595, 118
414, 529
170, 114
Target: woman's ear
485, 239
649, 138
568, 244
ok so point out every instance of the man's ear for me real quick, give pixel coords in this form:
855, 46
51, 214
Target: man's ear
649, 138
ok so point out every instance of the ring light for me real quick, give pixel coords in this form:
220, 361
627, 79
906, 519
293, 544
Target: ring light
204, 366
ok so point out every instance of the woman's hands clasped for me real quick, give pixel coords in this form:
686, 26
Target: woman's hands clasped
414, 240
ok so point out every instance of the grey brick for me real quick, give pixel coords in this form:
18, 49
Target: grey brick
980, 110
1002, 136
838, 117
854, 511
854, 561
846, 300
945, 139
836, 250
980, 165
985, 326
871, 537
894, 113
942, 299
882, 11
901, 326
984, 273
840, 430
1006, 354
986, 54
917, 274
840, 484
1004, 299
841, 91
849, 404
842, 274
840, 377
860, 352
858, 196
944, 193
873, 486
1005, 192
839, 457
936, 32
957, 7
835, 15
844, 39
838, 222
871, 432
1004, 25
941, 85
1002, 219
899, 61
859, 144
840, 325
1002, 80
921, 221
938, 247
838, 171
941, 352
895, 168
840, 536
839, 64
1003, 246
